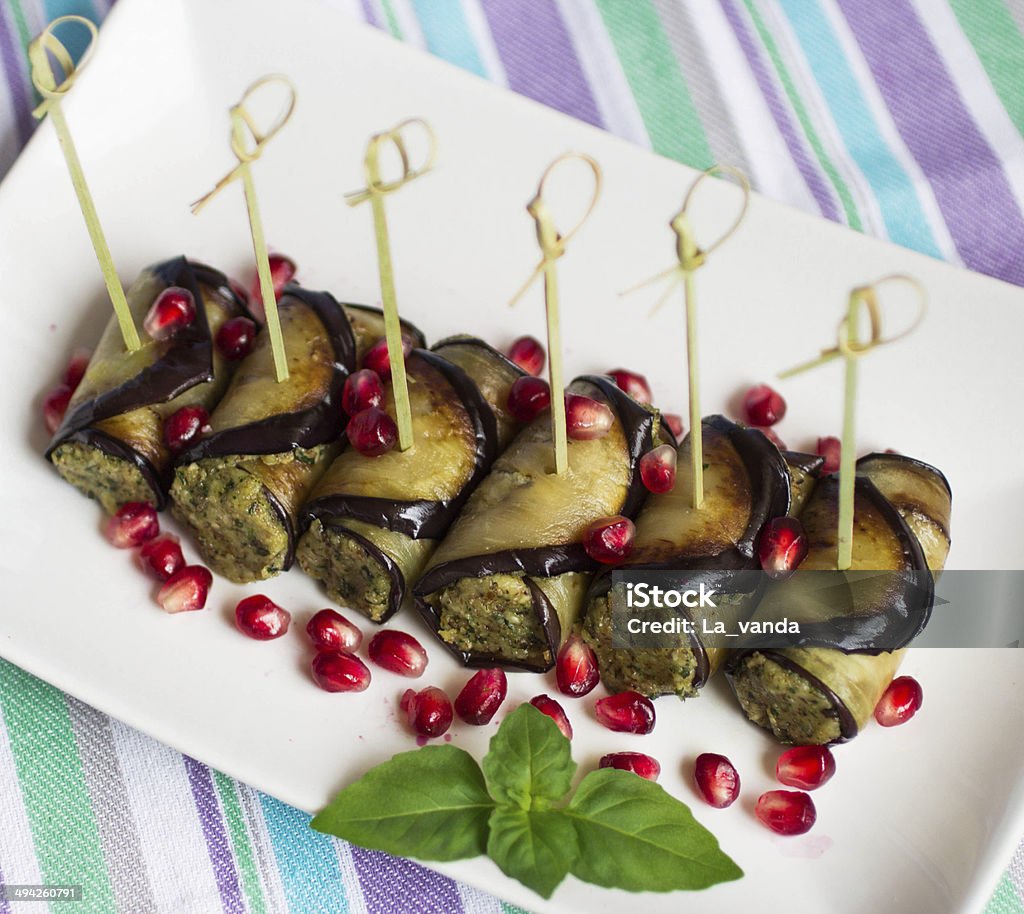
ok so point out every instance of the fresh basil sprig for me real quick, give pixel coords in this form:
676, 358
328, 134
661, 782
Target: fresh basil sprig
617, 830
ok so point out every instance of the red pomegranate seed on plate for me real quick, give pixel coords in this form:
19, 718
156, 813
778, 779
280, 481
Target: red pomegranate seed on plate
717, 779
551, 708
576, 667
331, 631
340, 672
806, 767
786, 812
429, 712
901, 701
75, 371
398, 652
235, 338
763, 405
609, 539
55, 404
674, 423
528, 354
831, 449
261, 618
658, 469
640, 764
362, 390
173, 310
528, 397
186, 590
782, 547
282, 272
133, 524
481, 696
632, 383
626, 712
378, 359
161, 557
185, 427
372, 432
586, 418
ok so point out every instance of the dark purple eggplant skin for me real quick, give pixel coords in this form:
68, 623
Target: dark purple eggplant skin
187, 362
545, 561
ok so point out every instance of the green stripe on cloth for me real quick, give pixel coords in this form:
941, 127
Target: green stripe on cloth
64, 829
392, 19
657, 84
240, 842
24, 34
768, 40
1000, 47
1005, 899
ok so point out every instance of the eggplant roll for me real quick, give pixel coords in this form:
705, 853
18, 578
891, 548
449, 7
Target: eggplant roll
815, 695
368, 328
746, 484
110, 444
509, 580
372, 522
240, 488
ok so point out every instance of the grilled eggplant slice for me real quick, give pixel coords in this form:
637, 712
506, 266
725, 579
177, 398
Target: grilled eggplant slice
241, 487
816, 695
746, 484
110, 444
374, 521
368, 326
509, 580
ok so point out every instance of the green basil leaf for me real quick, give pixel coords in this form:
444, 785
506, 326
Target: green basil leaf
430, 803
536, 847
529, 764
633, 835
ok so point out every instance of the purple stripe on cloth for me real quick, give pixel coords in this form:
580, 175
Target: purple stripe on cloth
5, 905
970, 186
815, 181
393, 884
541, 62
217, 845
369, 14
10, 51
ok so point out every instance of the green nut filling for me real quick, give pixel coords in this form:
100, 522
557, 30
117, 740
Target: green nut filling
111, 481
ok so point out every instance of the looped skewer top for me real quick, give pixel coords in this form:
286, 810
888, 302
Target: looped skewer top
375, 184
46, 43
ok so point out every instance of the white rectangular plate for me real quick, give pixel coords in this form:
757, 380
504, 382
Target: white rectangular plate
921, 818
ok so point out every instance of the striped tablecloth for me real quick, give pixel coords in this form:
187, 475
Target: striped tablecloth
901, 118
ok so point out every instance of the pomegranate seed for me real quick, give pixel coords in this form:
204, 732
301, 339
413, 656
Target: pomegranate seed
771, 436
576, 667
528, 354
331, 631
586, 419
609, 539
372, 432
901, 701
786, 812
551, 708
55, 404
133, 524
185, 427
185, 590
377, 358
340, 672
782, 547
162, 557
890, 450
75, 371
528, 398
632, 383
429, 711
398, 652
174, 309
830, 448
240, 292
235, 338
658, 469
481, 696
627, 712
282, 271
716, 779
362, 390
674, 423
640, 764
763, 405
806, 767
261, 618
